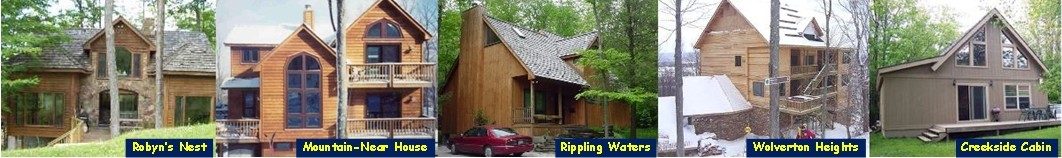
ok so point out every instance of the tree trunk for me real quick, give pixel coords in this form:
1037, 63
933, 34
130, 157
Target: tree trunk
160, 49
341, 125
112, 76
774, 69
630, 69
680, 143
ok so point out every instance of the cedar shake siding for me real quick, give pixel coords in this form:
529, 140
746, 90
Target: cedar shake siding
917, 95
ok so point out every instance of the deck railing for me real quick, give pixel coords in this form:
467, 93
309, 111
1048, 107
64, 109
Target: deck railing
807, 69
237, 128
521, 115
800, 106
75, 135
392, 74
391, 127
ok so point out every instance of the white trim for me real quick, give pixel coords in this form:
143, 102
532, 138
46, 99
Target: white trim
1017, 90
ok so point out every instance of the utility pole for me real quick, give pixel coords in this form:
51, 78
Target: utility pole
341, 124
160, 21
774, 69
680, 145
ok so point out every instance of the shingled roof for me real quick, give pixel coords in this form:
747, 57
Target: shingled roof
185, 51
541, 52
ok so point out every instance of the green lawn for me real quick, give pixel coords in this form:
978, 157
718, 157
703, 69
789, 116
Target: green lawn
912, 147
115, 147
643, 133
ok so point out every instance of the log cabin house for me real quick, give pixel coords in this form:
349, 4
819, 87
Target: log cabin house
501, 65
987, 80
284, 87
735, 43
73, 83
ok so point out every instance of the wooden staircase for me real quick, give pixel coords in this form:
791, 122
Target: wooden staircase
933, 134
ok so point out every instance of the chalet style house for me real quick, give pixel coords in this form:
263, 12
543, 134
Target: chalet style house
285, 87
735, 43
987, 80
523, 79
73, 83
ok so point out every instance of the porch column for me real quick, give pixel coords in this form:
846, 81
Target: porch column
560, 109
532, 105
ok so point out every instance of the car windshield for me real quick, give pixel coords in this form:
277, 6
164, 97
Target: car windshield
503, 132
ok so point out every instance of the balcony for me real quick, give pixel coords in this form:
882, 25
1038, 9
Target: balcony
804, 104
391, 75
807, 70
238, 130
385, 128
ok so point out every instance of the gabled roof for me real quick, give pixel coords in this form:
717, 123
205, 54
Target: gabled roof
257, 35
294, 33
185, 51
758, 14
541, 52
427, 35
947, 52
121, 20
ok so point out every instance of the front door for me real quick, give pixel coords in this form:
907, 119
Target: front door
972, 103
382, 54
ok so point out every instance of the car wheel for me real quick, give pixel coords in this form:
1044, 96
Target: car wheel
518, 154
487, 152
453, 149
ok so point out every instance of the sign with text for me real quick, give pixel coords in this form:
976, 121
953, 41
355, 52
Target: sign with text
169, 147
805, 147
365, 147
1006, 148
605, 147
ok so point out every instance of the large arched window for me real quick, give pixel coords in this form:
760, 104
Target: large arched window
303, 101
383, 28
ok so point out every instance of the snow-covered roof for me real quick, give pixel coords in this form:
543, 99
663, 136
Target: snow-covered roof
711, 95
758, 14
230, 83
258, 34
666, 124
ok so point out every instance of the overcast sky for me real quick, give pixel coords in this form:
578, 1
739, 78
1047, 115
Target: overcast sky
231, 13
964, 12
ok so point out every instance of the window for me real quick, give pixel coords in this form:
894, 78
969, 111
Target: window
1011, 57
502, 132
757, 88
737, 60
963, 56
540, 101
250, 104
979, 54
191, 110
975, 58
794, 57
127, 64
384, 28
128, 109
809, 60
781, 89
794, 88
972, 104
250, 55
383, 105
846, 57
282, 146
382, 54
42, 109
303, 101
1017, 96
489, 38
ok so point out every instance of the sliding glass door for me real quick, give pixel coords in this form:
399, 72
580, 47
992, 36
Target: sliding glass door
972, 103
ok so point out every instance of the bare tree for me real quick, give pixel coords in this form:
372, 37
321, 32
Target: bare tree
341, 125
160, 48
112, 76
858, 88
677, 10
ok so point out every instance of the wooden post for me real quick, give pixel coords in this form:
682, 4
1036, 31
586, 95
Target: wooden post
560, 108
531, 106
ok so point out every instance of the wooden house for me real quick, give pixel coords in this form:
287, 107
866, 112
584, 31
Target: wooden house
987, 80
285, 88
521, 78
73, 82
735, 43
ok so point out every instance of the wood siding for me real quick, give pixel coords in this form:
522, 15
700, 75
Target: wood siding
245, 70
273, 90
51, 82
917, 98
185, 86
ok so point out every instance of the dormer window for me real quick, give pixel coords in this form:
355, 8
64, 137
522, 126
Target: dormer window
383, 28
250, 55
127, 64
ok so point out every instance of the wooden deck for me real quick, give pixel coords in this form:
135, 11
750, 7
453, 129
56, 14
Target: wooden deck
996, 126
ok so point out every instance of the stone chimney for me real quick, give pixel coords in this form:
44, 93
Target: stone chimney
307, 17
148, 27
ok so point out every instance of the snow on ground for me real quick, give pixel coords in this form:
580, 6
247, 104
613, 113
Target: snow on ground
710, 95
839, 132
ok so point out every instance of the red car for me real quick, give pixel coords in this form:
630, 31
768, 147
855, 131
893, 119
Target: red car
491, 141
